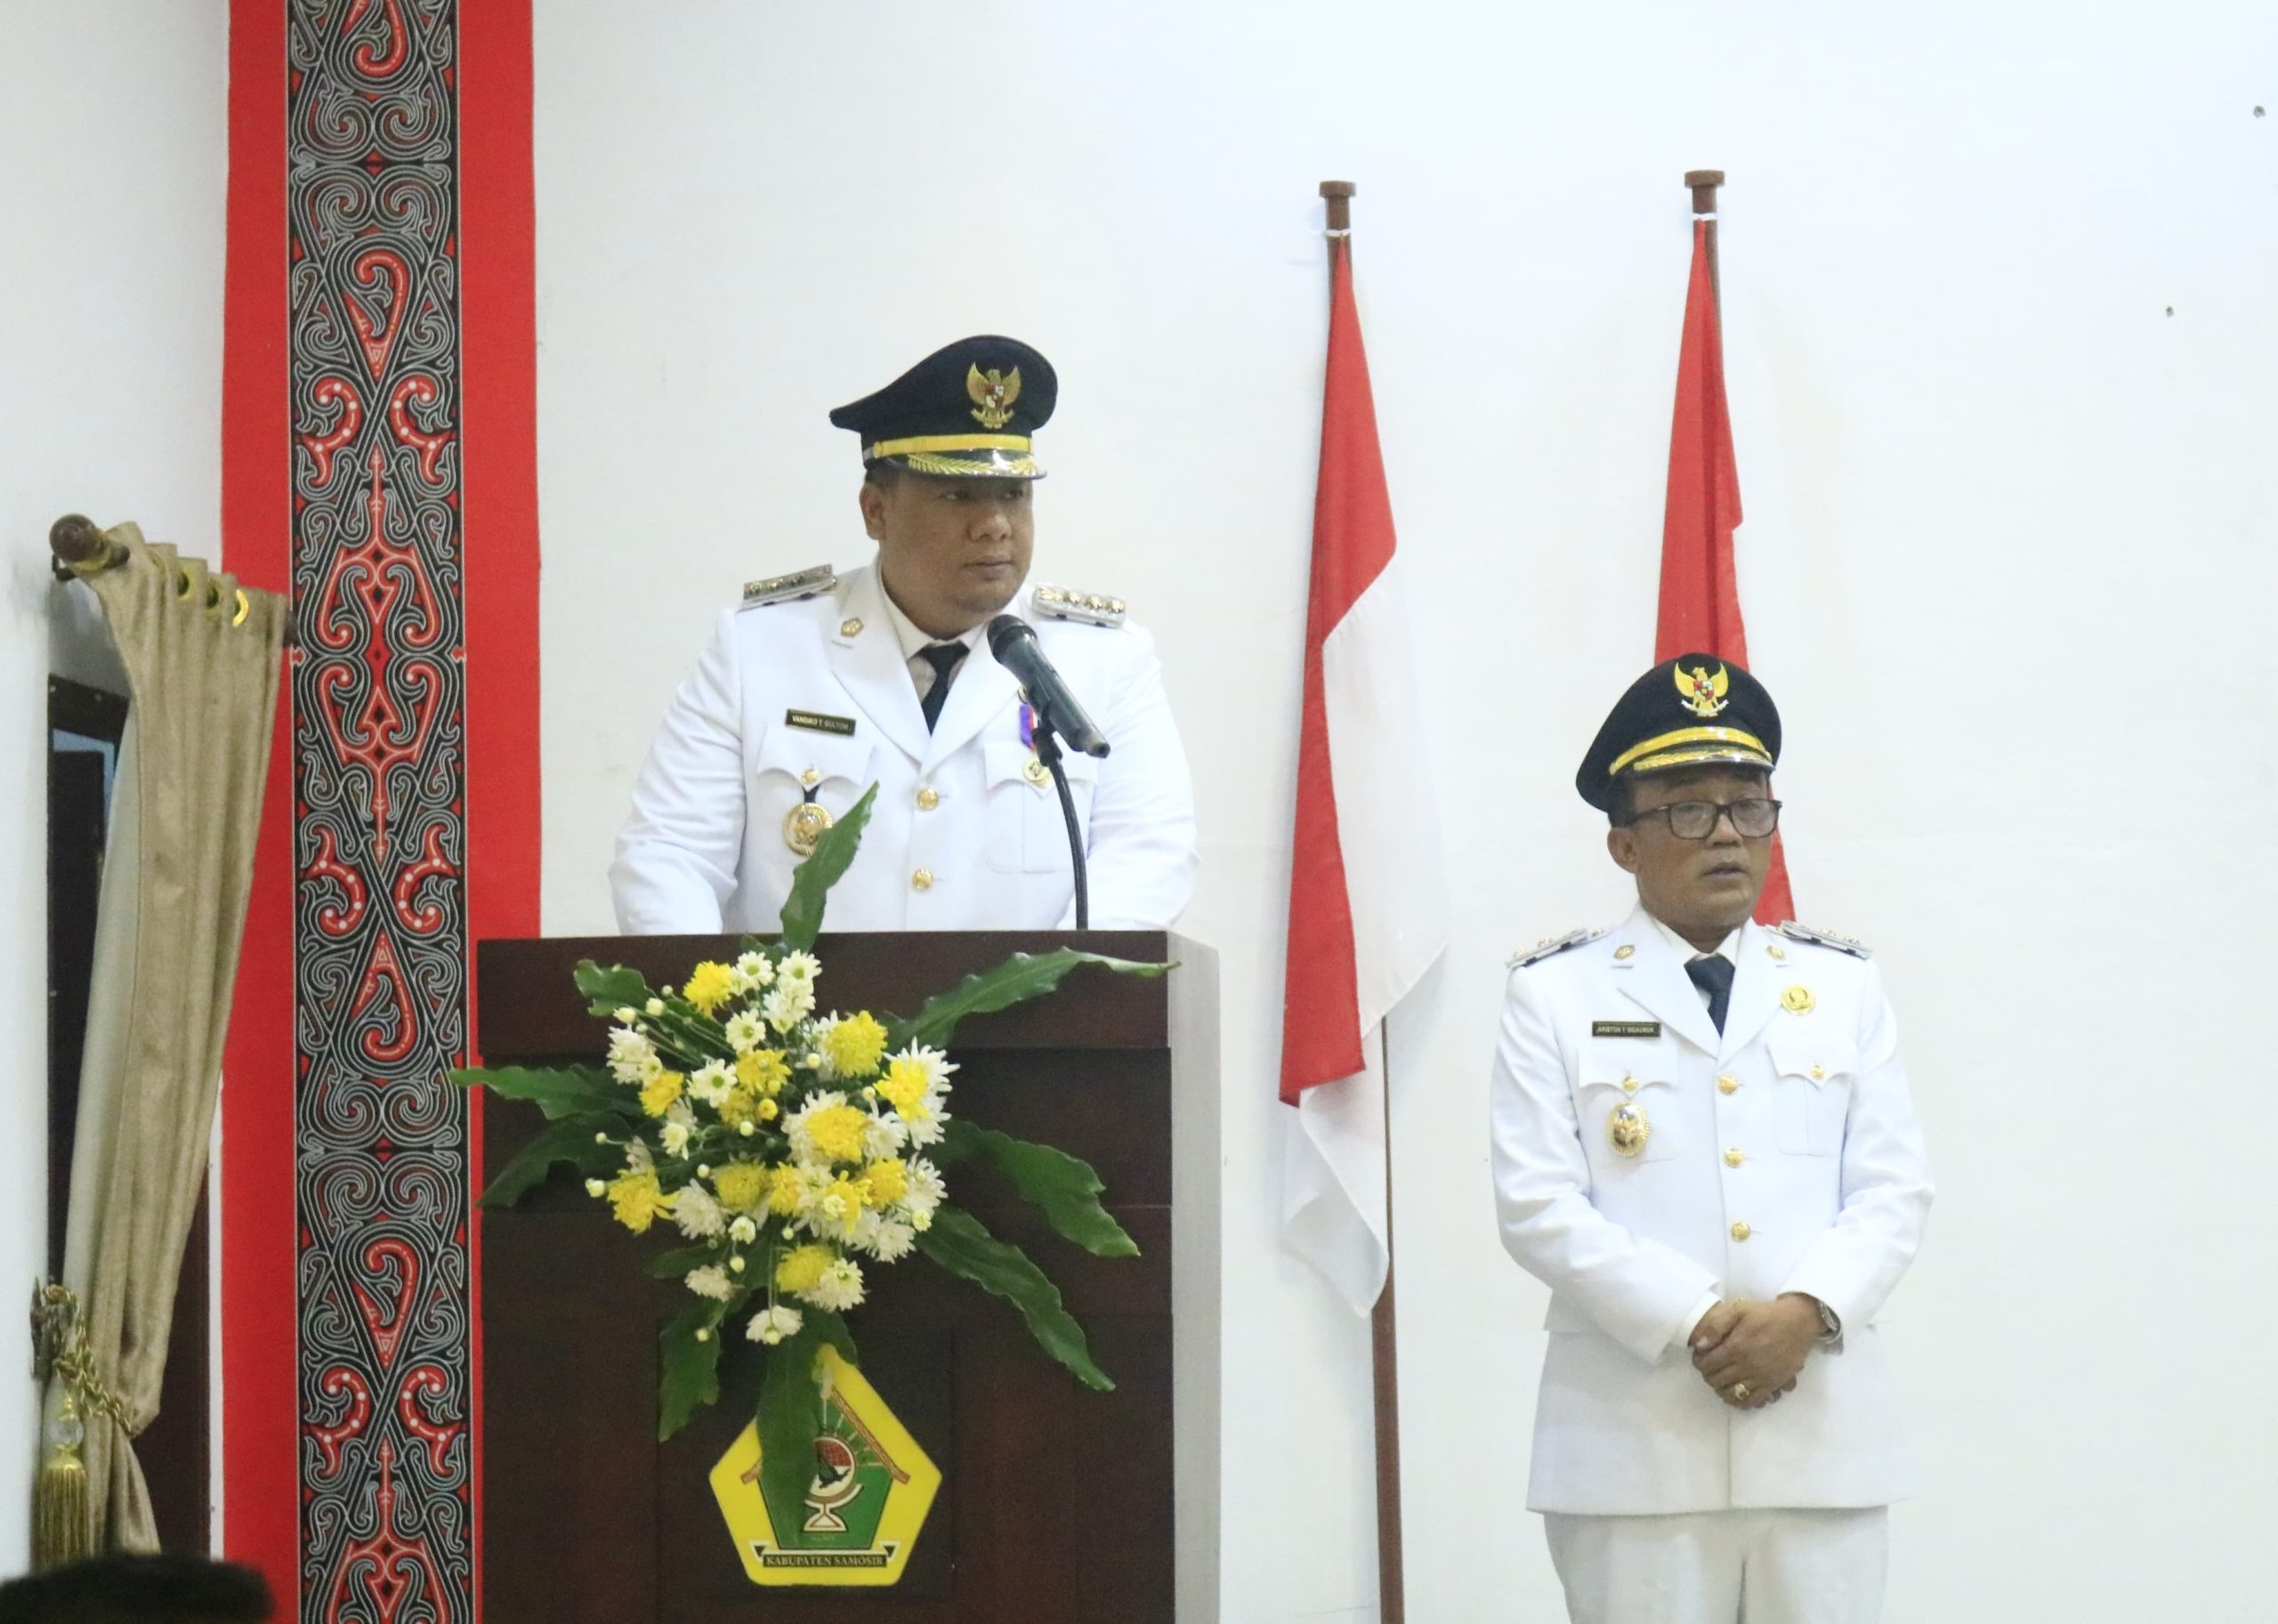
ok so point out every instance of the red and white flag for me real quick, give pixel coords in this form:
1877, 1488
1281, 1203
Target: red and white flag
1367, 899
1701, 595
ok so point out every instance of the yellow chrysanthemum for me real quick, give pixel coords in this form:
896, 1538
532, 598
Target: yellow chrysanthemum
738, 1106
637, 1199
846, 1197
855, 1045
801, 1267
904, 1083
768, 1110
742, 1185
762, 1070
889, 1181
660, 1091
709, 986
785, 1192
837, 1132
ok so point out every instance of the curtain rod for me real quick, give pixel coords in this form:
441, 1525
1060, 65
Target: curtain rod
81, 549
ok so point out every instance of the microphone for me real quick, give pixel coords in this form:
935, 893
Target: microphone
1012, 641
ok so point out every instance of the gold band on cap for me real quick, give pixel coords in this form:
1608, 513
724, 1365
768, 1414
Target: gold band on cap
1732, 736
924, 443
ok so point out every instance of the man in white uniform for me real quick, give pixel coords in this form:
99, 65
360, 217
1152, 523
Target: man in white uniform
820, 685
1704, 1145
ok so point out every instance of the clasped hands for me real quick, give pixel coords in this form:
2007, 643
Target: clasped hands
1751, 1354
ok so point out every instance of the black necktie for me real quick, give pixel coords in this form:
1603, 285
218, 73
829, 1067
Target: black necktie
1713, 974
943, 656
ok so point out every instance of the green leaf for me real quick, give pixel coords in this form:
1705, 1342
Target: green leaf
1064, 1187
791, 1406
679, 1260
571, 1141
559, 1092
613, 988
811, 880
960, 1244
690, 1368
1020, 978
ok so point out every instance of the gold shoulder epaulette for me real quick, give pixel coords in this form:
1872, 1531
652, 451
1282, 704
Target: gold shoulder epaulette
1066, 603
1852, 945
790, 588
1551, 946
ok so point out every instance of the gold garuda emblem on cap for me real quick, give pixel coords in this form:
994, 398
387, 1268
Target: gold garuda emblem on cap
993, 394
1703, 695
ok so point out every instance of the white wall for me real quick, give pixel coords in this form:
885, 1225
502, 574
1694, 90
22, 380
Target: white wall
111, 117
2008, 566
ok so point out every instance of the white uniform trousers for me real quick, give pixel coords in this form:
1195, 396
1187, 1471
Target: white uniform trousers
1723, 1567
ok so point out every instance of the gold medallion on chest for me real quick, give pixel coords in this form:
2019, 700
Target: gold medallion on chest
1627, 1129
803, 825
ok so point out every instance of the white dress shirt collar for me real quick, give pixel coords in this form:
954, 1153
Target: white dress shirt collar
913, 638
1730, 948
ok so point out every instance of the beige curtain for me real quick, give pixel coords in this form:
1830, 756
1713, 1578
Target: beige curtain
202, 660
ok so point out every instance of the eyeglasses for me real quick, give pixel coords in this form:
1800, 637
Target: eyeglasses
1753, 817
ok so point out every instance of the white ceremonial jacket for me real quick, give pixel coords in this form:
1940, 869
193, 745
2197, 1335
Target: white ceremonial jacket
959, 838
1782, 1156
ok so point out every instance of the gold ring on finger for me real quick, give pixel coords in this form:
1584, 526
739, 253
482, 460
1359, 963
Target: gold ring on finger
1740, 1391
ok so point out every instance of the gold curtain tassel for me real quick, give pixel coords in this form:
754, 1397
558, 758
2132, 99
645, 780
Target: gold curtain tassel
60, 1523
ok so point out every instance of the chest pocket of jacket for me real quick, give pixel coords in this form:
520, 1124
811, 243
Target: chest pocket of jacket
1026, 834
1637, 1073
1811, 1090
791, 760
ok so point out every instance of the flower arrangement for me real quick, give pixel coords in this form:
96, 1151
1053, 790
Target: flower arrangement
792, 1149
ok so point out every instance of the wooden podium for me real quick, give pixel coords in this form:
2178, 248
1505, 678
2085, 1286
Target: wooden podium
1058, 1505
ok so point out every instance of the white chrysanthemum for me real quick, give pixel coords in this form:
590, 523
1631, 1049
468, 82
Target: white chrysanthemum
840, 1287
884, 1136
862, 1234
745, 1033
743, 1231
893, 1240
710, 1083
629, 1051
711, 1281
925, 1126
697, 1213
655, 1007
788, 1003
923, 1189
938, 1065
798, 967
795, 1125
752, 970
676, 1134
817, 1058
771, 1325
638, 1157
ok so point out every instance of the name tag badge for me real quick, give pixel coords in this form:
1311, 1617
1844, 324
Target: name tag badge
815, 722
1625, 1029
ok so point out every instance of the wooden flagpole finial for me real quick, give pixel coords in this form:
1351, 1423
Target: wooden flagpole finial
1704, 183
1339, 197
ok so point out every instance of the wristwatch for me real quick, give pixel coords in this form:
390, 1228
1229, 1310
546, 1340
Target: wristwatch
1831, 1321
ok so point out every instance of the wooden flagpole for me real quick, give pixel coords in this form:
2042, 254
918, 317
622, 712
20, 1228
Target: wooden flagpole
1704, 183
1384, 1322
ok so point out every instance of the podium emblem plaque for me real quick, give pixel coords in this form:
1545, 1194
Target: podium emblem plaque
863, 1509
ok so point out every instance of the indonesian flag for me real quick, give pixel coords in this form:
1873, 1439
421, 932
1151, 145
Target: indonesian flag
1367, 906
1701, 595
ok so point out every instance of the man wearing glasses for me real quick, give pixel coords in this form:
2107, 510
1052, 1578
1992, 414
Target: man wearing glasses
1704, 1144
